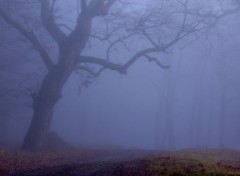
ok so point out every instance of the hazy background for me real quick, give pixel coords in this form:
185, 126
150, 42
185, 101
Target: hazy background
194, 103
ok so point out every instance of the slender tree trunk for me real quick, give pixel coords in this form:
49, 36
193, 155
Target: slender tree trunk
223, 103
3, 128
199, 101
172, 77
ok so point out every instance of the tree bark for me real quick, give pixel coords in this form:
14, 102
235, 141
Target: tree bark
70, 48
43, 105
50, 92
45, 99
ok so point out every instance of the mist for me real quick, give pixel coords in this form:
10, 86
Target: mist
150, 108
192, 103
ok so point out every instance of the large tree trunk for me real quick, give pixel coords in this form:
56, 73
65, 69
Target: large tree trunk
50, 92
39, 127
51, 87
43, 105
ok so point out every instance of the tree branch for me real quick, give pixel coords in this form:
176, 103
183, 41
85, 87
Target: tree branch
99, 61
82, 29
153, 59
90, 71
149, 38
140, 54
220, 16
49, 23
109, 3
83, 6
121, 39
99, 7
183, 31
30, 36
52, 9
122, 69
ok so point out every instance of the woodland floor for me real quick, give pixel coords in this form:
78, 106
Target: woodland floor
86, 162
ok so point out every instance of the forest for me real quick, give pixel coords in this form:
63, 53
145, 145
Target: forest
119, 87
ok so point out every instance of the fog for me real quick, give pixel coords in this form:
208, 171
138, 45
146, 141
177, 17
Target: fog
195, 103
158, 109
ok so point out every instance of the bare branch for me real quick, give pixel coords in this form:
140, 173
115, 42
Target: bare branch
109, 3
52, 8
108, 33
30, 36
99, 61
153, 59
83, 6
65, 26
119, 40
141, 54
98, 37
90, 71
122, 68
149, 38
197, 27
49, 23
216, 17
99, 7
